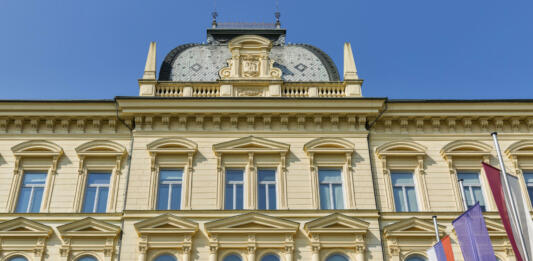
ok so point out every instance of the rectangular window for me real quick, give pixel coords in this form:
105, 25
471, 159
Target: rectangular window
169, 190
472, 189
234, 189
403, 188
266, 187
330, 182
528, 177
96, 192
31, 192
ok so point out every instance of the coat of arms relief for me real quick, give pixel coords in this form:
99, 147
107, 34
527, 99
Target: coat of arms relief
250, 60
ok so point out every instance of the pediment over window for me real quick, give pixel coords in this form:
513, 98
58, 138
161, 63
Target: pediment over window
495, 228
336, 224
172, 145
37, 148
251, 223
101, 148
465, 148
166, 224
328, 145
413, 227
23, 227
251, 144
401, 148
520, 148
88, 227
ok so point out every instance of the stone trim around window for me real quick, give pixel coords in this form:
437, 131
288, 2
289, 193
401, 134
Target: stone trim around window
466, 155
247, 233
251, 149
29, 155
75, 236
154, 237
182, 151
336, 153
521, 155
349, 234
99, 155
24, 237
404, 156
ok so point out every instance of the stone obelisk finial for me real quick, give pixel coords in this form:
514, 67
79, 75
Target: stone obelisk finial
350, 71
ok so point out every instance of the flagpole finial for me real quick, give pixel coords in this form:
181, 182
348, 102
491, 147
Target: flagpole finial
494, 133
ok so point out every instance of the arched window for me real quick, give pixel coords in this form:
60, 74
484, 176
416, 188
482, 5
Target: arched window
165, 257
337, 257
18, 258
87, 258
270, 257
415, 258
232, 258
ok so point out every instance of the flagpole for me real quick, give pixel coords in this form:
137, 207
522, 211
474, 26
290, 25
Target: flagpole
508, 190
463, 196
436, 228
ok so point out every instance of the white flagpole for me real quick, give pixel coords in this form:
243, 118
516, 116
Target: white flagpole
508, 191
436, 228
463, 194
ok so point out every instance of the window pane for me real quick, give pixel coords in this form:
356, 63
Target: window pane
175, 200
18, 258
337, 196
415, 258
337, 258
329, 175
96, 193
232, 258
240, 196
399, 199
170, 175
399, 179
31, 192
469, 178
411, 199
270, 258
325, 202
234, 175
261, 197
272, 196
162, 196
86, 258
478, 196
528, 177
266, 182
228, 204
165, 258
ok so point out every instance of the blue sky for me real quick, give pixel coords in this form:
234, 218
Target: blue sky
419, 49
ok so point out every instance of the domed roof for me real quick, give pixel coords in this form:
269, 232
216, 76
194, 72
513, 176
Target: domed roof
202, 62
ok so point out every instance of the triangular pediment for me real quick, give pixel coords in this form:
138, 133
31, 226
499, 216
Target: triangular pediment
412, 227
251, 223
336, 223
165, 224
495, 228
24, 227
88, 227
251, 144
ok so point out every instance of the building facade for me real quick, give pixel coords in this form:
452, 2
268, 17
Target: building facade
248, 148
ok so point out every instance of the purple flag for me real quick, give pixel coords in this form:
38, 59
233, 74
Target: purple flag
473, 236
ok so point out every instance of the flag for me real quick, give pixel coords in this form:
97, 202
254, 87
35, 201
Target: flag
503, 202
473, 235
442, 251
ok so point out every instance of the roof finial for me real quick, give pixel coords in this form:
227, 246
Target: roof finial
214, 15
278, 24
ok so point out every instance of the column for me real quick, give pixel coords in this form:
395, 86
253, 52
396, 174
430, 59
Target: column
316, 253
213, 253
186, 253
360, 253
288, 253
251, 253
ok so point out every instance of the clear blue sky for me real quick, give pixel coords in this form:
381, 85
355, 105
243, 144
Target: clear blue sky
464, 49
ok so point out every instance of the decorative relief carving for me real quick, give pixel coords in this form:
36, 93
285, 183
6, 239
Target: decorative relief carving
250, 91
250, 60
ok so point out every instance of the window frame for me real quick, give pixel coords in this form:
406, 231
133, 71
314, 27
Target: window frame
173, 147
404, 156
169, 196
453, 152
88, 155
26, 172
479, 178
331, 193
251, 149
275, 183
414, 186
243, 182
95, 204
341, 149
29, 156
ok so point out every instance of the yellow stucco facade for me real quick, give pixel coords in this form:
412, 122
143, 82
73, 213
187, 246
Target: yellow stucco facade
251, 118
